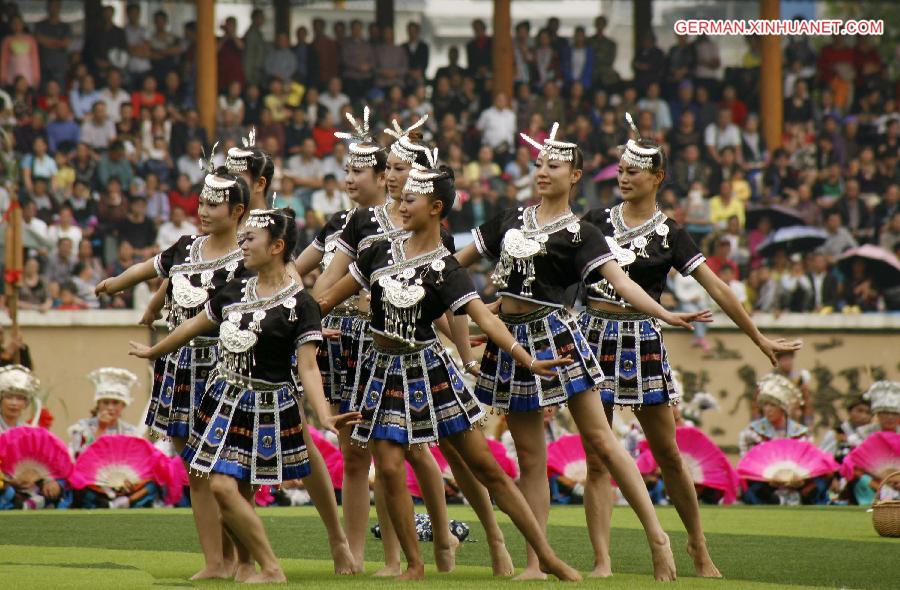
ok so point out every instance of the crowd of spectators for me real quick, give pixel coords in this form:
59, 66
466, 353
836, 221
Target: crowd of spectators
102, 139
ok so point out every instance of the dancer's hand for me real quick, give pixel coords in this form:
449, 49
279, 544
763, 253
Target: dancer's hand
473, 368
494, 307
150, 316
330, 334
139, 350
772, 348
102, 288
684, 319
335, 423
51, 489
548, 368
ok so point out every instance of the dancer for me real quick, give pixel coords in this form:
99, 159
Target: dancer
629, 346
255, 166
247, 430
410, 391
542, 251
112, 394
345, 232
195, 269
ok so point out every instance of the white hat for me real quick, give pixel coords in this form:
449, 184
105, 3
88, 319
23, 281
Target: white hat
884, 396
113, 383
16, 379
779, 390
552, 149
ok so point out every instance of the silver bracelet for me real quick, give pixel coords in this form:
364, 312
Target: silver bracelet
513, 347
531, 366
470, 364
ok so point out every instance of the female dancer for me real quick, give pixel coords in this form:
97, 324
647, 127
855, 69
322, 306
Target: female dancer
542, 251
248, 428
410, 391
196, 269
629, 344
365, 186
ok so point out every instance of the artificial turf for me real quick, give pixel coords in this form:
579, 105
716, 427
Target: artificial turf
761, 547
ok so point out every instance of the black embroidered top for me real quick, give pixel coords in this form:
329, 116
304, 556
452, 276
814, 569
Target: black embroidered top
538, 263
408, 294
327, 239
193, 280
259, 336
373, 225
645, 252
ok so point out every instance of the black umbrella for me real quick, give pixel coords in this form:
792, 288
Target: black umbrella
882, 267
794, 239
779, 215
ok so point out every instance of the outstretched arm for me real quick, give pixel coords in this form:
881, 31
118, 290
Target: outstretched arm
311, 379
468, 256
496, 331
722, 294
638, 298
459, 335
137, 273
308, 260
335, 270
154, 307
340, 292
196, 326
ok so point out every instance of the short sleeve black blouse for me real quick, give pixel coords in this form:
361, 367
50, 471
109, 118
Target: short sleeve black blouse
278, 325
373, 225
553, 257
435, 280
646, 252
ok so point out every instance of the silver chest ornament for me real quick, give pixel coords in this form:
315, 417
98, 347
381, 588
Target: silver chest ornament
401, 300
187, 299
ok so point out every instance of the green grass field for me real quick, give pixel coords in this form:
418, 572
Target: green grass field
763, 548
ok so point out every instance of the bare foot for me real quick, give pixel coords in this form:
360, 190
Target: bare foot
531, 573
267, 577
221, 572
663, 560
388, 571
244, 571
703, 563
602, 569
413, 572
501, 561
344, 564
562, 570
445, 557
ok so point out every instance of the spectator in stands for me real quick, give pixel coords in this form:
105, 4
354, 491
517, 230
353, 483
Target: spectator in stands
334, 100
185, 131
165, 48
230, 57
723, 206
147, 97
825, 286
34, 293
255, 47
61, 263
65, 227
98, 130
721, 134
305, 169
890, 235
184, 196
323, 134
497, 124
780, 179
37, 164
82, 204
417, 54
114, 164
19, 55
53, 37
157, 199
305, 57
281, 61
114, 96
137, 38
708, 63
83, 96
187, 163
478, 52
295, 132
63, 132
859, 292
794, 287
839, 239
83, 283
327, 54
391, 61
853, 211
357, 62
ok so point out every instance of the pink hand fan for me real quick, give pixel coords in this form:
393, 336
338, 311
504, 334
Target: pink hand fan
115, 459
412, 484
565, 456
171, 474
507, 463
263, 496
34, 451
784, 461
325, 446
705, 461
878, 455
335, 465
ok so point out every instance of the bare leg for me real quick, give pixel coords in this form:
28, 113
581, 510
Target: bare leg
318, 484
391, 471
527, 429
475, 452
245, 566
217, 564
432, 485
598, 505
659, 428
355, 496
390, 545
243, 521
587, 411
480, 501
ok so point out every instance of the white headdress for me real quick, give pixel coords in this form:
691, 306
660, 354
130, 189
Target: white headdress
421, 179
237, 160
551, 148
362, 147
634, 154
113, 383
16, 379
215, 188
403, 147
884, 396
780, 391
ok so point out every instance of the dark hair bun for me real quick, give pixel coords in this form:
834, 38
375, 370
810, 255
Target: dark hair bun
290, 213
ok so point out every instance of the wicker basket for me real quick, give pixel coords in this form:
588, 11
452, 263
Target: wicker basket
886, 513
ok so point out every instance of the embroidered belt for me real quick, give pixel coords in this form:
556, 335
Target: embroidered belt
524, 318
619, 316
403, 350
240, 380
203, 342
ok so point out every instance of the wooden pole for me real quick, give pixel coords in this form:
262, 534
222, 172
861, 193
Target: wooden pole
502, 57
207, 74
770, 90
642, 18
283, 16
13, 265
384, 13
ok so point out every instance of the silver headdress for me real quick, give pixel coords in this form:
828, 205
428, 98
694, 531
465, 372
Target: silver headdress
362, 147
635, 155
403, 147
779, 390
884, 396
215, 189
237, 160
551, 148
421, 179
261, 218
